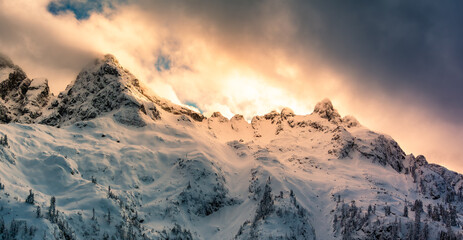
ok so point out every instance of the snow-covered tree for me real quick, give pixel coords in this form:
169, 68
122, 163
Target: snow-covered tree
109, 217
266, 204
418, 207
30, 198
38, 212
4, 140
387, 210
52, 209
405, 211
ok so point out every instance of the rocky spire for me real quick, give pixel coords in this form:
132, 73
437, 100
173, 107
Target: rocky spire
101, 87
326, 110
21, 99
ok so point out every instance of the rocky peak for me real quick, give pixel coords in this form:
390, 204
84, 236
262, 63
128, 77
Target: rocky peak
350, 121
21, 99
14, 83
216, 115
421, 160
287, 112
219, 116
271, 115
326, 110
102, 87
237, 117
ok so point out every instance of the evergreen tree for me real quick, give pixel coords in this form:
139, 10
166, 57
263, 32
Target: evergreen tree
394, 229
405, 211
2, 225
369, 211
266, 204
4, 140
52, 209
417, 227
435, 214
426, 231
387, 210
39, 212
429, 210
453, 215
30, 198
109, 217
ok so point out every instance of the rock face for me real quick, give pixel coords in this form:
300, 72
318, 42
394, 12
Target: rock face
102, 87
22, 99
383, 150
326, 110
434, 181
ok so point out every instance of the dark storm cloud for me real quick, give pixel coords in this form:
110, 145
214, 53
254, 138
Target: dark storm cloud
403, 46
407, 47
416, 45
395, 65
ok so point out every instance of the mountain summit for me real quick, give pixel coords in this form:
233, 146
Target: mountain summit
101, 87
106, 159
21, 99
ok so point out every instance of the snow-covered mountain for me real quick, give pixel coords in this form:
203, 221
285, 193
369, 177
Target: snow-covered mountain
107, 159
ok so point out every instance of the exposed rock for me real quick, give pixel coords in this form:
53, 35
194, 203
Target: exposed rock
4, 114
326, 110
436, 181
271, 115
344, 143
102, 87
208, 192
350, 122
286, 113
22, 99
176, 109
219, 116
237, 117
383, 150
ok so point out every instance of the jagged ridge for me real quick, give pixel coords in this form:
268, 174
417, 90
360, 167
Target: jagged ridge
196, 173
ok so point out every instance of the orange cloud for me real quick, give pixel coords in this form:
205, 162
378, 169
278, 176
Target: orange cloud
247, 69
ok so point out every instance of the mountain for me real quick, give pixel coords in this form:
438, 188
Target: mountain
21, 99
107, 159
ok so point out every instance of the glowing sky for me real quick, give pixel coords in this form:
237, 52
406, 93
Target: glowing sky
397, 66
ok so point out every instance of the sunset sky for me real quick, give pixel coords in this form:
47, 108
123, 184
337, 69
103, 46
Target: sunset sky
397, 66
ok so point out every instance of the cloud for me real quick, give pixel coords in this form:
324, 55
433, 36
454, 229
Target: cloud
394, 65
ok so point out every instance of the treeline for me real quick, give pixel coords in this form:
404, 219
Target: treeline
352, 222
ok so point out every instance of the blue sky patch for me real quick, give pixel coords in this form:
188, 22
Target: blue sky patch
163, 63
81, 9
192, 104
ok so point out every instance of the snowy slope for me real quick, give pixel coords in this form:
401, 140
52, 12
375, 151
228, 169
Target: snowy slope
125, 164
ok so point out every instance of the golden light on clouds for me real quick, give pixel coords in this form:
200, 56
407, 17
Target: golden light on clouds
246, 69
